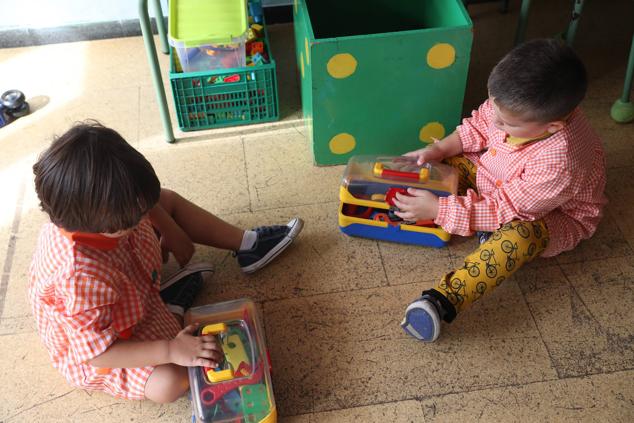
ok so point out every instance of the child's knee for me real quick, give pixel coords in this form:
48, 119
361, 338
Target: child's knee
167, 383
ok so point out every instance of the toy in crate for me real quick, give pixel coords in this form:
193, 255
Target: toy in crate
370, 184
239, 390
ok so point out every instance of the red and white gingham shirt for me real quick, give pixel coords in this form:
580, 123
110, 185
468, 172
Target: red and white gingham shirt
88, 290
560, 179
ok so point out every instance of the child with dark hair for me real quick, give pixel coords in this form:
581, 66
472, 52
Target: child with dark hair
532, 176
94, 284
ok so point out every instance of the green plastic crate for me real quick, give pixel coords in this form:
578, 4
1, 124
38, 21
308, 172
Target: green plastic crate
380, 76
201, 104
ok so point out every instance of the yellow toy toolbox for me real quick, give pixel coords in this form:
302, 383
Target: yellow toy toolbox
366, 195
239, 390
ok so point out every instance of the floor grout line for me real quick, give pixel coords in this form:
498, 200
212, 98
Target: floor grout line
8, 259
420, 399
246, 173
387, 279
541, 335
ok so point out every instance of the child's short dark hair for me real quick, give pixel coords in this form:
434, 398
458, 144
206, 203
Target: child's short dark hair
91, 180
542, 80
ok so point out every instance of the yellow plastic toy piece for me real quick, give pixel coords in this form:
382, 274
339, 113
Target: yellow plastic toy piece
234, 351
213, 375
378, 169
219, 376
423, 176
214, 329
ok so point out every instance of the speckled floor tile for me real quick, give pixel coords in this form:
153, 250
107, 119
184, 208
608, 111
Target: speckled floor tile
23, 361
304, 418
620, 192
410, 263
321, 260
210, 174
388, 370
357, 337
16, 311
577, 311
617, 143
394, 412
281, 173
596, 398
42, 394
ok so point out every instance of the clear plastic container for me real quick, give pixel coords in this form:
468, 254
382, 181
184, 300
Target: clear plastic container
208, 34
370, 184
239, 390
208, 57
371, 177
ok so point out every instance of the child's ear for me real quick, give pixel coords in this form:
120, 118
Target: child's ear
556, 126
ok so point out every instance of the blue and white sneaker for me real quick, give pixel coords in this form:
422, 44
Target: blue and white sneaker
422, 320
179, 290
271, 241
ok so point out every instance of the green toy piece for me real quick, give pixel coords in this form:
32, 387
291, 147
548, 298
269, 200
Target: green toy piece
255, 402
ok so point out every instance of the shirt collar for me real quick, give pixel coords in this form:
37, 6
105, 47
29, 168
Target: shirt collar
93, 240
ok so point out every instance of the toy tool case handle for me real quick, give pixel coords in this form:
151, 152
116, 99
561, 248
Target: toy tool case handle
381, 172
212, 374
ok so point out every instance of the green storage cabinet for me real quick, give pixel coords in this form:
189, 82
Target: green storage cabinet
380, 76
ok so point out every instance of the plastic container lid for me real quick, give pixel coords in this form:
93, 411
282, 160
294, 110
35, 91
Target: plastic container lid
367, 175
194, 23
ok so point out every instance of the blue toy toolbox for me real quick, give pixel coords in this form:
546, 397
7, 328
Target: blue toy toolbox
366, 195
239, 390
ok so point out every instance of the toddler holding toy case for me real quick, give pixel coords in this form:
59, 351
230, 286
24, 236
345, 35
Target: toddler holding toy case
532, 179
104, 316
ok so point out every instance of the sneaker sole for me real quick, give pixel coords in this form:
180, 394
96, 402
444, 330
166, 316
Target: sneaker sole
421, 322
185, 271
296, 225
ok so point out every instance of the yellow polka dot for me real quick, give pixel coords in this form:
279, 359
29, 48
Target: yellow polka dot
307, 51
441, 56
431, 130
301, 58
342, 143
342, 65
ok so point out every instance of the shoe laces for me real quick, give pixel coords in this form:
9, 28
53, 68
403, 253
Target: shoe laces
269, 230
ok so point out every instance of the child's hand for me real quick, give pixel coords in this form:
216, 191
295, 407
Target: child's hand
189, 350
431, 153
422, 205
176, 241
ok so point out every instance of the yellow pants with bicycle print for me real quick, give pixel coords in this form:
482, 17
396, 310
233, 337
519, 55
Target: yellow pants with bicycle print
506, 250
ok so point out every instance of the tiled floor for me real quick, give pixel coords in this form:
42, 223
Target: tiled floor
555, 343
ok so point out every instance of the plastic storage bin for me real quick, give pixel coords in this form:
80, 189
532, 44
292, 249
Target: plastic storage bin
208, 34
239, 390
370, 183
380, 82
226, 97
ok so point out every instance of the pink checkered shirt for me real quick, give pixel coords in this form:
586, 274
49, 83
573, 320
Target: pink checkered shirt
560, 179
86, 291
